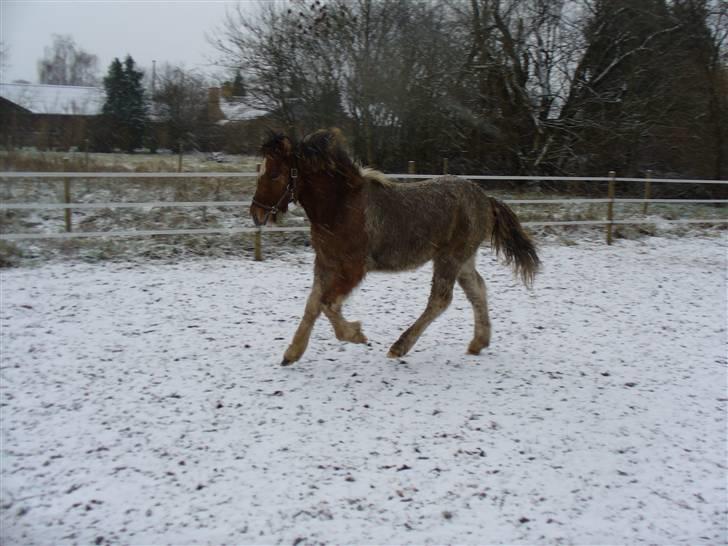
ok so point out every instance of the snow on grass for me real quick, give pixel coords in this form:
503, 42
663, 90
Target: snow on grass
144, 404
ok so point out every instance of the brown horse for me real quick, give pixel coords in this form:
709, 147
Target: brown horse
361, 221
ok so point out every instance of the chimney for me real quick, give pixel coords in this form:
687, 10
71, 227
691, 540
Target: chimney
214, 112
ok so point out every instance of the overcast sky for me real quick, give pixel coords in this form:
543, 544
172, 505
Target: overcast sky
165, 31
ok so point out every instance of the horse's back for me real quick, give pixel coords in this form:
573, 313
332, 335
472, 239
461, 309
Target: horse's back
411, 223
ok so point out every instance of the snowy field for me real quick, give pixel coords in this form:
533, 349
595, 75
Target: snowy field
143, 404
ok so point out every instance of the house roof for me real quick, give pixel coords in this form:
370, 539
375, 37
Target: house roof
55, 99
88, 101
235, 110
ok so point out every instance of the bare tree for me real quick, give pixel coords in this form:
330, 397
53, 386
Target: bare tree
716, 65
3, 57
180, 102
511, 86
375, 67
66, 64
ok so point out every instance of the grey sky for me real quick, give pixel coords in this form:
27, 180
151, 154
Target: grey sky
165, 31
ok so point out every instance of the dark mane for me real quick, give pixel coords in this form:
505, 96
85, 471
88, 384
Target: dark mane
324, 150
273, 144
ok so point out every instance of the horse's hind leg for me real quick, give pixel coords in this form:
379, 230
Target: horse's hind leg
474, 287
443, 280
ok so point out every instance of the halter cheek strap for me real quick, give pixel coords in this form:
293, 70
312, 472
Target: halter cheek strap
293, 184
289, 196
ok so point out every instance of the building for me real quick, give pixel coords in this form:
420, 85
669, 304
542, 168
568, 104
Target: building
241, 128
47, 116
61, 117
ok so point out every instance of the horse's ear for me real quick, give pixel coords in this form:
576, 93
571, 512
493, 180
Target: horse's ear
277, 145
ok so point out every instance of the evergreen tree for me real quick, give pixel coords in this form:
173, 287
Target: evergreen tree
125, 113
234, 89
623, 88
238, 87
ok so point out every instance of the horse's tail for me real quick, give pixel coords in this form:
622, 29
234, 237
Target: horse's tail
509, 238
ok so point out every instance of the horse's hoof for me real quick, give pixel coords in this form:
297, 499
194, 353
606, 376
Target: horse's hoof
358, 336
476, 346
396, 352
286, 362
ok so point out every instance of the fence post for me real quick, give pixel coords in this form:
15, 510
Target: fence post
411, 167
258, 234
610, 207
258, 245
648, 190
181, 190
444, 165
85, 155
67, 196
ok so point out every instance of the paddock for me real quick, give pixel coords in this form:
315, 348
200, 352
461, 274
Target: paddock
143, 403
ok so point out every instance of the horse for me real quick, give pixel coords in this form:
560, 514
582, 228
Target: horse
361, 221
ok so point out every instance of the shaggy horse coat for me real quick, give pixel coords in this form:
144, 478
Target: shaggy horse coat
361, 222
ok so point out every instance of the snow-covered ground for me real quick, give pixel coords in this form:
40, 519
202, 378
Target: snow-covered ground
144, 404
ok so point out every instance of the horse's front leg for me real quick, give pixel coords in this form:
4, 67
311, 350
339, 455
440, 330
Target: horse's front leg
303, 332
344, 330
330, 288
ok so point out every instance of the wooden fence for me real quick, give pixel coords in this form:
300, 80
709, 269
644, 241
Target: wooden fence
609, 221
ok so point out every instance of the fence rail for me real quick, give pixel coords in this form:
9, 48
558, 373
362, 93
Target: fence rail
398, 176
68, 206
305, 229
183, 204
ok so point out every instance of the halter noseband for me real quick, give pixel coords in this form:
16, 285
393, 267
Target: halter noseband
289, 196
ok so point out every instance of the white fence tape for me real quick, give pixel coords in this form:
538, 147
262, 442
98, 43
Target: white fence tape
399, 176
232, 231
121, 205
183, 204
61, 175
235, 231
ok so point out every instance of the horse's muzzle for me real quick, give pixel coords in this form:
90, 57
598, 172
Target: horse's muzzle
259, 216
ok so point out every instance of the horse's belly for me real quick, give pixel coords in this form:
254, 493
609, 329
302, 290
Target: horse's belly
406, 231
402, 254
392, 263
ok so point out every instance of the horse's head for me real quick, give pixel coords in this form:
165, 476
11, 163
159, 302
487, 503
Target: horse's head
276, 180
324, 163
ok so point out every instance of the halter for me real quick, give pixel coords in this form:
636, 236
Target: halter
289, 195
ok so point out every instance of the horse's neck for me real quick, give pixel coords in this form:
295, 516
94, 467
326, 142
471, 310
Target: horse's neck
328, 202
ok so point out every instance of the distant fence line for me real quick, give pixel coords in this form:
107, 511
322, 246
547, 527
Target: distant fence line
609, 221
192, 204
399, 176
